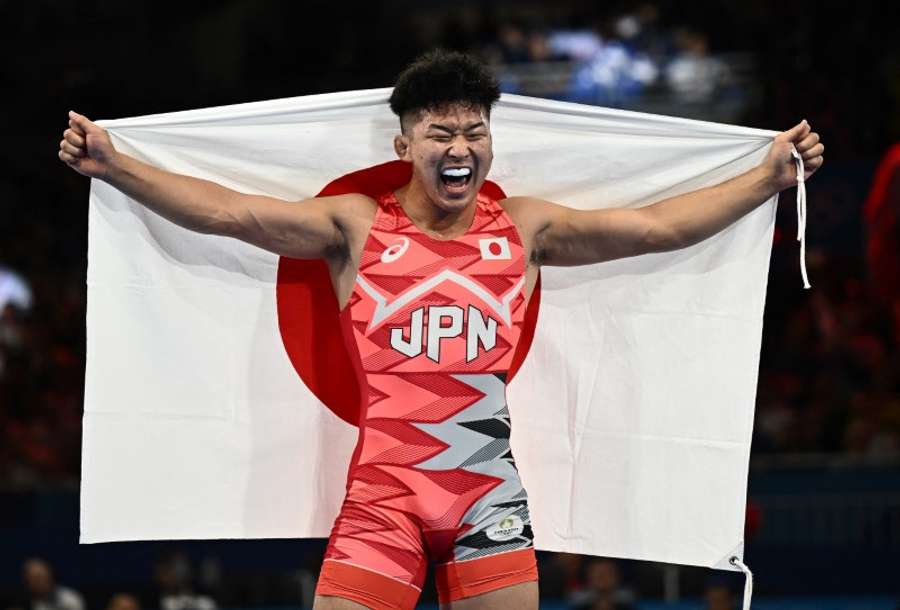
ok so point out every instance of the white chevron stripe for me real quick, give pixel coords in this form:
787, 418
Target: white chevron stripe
383, 309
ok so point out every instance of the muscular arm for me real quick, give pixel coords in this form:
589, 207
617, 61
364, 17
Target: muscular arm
580, 237
307, 229
564, 236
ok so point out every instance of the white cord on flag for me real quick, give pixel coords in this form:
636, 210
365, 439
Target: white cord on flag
801, 214
748, 585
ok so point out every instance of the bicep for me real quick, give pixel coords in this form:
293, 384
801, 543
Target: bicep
582, 237
301, 229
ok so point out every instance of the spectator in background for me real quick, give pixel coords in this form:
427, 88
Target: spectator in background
15, 300
14, 289
642, 33
603, 589
718, 596
42, 592
881, 214
577, 45
695, 76
561, 574
512, 44
614, 75
123, 601
173, 577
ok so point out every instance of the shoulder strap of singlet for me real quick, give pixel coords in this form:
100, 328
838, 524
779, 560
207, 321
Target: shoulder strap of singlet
387, 217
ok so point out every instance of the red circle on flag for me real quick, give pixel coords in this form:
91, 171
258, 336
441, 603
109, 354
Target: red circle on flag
494, 248
309, 317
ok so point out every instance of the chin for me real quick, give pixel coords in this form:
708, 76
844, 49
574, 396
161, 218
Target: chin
456, 202
459, 200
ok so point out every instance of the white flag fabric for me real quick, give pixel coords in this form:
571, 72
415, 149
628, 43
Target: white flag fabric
632, 412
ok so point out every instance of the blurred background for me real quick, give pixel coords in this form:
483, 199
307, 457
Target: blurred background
823, 512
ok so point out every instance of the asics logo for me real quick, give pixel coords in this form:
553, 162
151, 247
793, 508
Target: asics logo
395, 250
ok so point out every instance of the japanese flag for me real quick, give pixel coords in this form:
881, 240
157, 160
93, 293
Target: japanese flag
218, 402
494, 248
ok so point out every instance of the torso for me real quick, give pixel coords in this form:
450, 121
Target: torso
405, 277
432, 328
357, 223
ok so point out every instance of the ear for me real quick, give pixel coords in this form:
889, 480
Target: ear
401, 147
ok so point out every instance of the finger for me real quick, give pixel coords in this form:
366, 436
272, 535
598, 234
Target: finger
67, 158
76, 128
68, 147
815, 162
808, 142
813, 152
797, 131
81, 121
72, 150
73, 138
813, 166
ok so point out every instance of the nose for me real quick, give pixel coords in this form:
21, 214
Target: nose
459, 148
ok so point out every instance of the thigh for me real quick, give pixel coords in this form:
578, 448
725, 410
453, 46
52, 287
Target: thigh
513, 572
375, 559
522, 596
328, 602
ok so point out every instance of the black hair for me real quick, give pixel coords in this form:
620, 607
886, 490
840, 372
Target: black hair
439, 78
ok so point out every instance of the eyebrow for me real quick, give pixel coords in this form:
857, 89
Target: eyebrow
449, 130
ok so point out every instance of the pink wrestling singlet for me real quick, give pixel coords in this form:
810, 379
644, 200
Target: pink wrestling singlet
431, 328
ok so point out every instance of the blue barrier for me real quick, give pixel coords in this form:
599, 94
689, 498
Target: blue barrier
832, 531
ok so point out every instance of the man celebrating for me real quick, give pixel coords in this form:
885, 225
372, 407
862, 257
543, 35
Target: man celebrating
432, 281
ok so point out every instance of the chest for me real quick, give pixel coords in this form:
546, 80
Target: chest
437, 303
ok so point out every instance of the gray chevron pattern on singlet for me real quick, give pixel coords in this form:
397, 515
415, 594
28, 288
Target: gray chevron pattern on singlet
478, 439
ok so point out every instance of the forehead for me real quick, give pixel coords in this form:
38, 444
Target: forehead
452, 115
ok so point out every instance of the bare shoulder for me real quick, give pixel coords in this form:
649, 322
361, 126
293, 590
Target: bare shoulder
349, 206
530, 206
531, 214
353, 213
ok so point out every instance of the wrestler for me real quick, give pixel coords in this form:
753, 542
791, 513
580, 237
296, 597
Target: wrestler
432, 281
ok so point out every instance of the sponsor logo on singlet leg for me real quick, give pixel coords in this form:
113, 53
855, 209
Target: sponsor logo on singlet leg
508, 528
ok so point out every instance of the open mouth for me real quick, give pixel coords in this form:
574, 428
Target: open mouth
456, 179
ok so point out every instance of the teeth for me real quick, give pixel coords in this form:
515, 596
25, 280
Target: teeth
459, 171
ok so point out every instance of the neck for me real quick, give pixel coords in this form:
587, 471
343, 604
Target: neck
429, 216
